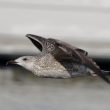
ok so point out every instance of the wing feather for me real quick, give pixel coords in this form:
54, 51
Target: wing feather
80, 56
38, 41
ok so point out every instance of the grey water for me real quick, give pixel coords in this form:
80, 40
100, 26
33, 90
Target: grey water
21, 90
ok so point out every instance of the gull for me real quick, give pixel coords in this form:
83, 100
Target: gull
58, 59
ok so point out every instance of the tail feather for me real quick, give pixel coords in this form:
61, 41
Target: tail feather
105, 72
104, 77
92, 65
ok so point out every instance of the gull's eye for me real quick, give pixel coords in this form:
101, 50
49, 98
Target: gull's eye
25, 59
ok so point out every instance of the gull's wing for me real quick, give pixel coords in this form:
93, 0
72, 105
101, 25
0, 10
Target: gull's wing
79, 56
69, 50
43, 44
61, 49
38, 41
68, 46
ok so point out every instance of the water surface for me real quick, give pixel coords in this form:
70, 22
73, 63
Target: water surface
20, 90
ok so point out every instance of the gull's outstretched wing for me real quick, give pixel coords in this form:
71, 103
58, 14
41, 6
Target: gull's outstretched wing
79, 56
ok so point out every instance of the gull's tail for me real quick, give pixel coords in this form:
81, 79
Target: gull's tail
106, 73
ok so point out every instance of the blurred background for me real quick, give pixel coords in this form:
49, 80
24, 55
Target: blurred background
82, 23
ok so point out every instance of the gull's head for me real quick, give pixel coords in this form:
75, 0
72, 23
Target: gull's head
25, 61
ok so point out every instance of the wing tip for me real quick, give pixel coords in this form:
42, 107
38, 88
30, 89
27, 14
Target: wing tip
29, 35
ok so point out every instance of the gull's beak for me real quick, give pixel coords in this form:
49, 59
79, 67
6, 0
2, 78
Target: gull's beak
11, 62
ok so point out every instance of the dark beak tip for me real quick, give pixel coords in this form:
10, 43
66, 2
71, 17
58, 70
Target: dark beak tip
11, 62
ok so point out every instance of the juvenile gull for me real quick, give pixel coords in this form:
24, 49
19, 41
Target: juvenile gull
58, 59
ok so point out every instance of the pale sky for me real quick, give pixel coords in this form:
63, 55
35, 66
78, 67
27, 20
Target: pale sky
84, 18
80, 20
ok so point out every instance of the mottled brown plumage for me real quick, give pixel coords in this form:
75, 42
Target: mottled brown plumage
63, 51
59, 59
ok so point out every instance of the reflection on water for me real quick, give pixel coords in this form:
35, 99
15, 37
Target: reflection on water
20, 90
